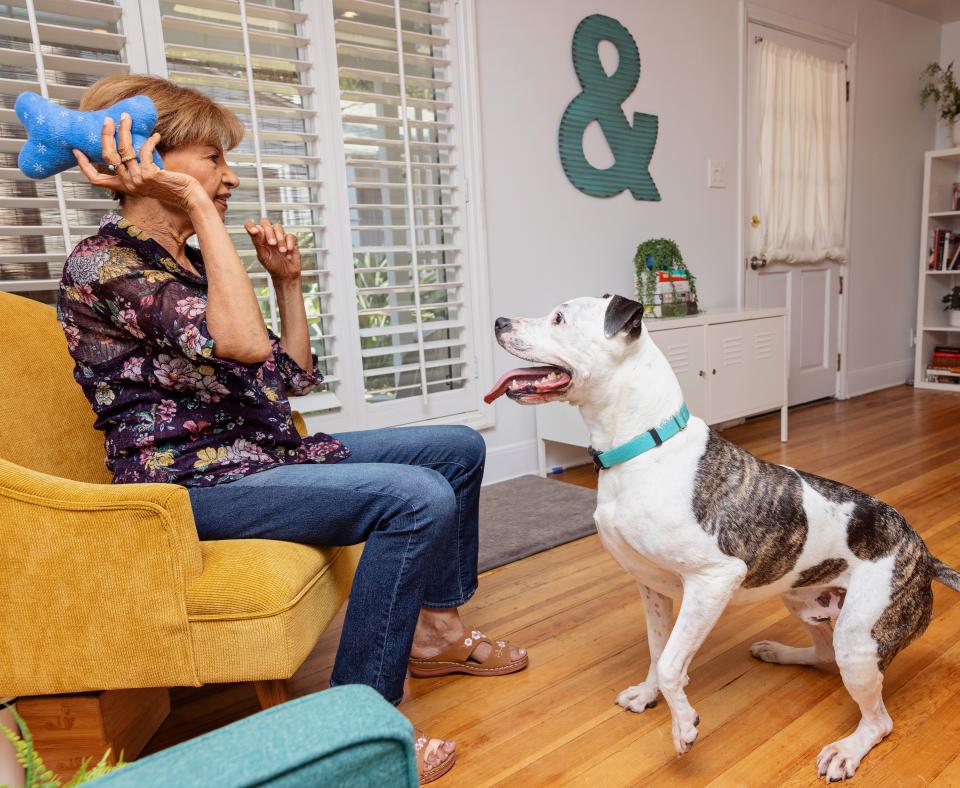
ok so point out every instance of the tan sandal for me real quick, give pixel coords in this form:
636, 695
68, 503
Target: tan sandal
457, 659
434, 772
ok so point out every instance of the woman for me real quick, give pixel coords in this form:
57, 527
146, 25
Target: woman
190, 387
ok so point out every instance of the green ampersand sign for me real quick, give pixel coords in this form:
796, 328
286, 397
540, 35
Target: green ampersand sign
600, 100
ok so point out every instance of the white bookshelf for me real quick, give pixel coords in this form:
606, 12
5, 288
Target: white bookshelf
941, 169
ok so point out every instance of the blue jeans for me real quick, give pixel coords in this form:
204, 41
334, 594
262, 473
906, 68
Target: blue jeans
411, 494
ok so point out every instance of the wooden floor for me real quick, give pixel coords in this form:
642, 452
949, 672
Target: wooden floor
762, 725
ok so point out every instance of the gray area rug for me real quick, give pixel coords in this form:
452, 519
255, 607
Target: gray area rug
530, 514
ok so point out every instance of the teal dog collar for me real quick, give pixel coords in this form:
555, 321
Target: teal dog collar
637, 446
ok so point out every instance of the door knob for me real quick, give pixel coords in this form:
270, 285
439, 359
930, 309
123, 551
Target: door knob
757, 262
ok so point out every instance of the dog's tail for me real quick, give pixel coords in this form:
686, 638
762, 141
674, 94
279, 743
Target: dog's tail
946, 574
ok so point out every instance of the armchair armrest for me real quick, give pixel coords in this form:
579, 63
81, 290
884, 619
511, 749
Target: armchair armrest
93, 584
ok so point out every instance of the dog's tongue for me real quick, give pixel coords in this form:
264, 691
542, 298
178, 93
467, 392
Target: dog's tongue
523, 374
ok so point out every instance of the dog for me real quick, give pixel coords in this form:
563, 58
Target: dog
697, 519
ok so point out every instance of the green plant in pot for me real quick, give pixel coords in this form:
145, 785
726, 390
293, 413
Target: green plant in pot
665, 286
952, 301
940, 86
37, 773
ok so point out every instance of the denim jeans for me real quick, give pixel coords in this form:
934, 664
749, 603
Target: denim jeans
411, 494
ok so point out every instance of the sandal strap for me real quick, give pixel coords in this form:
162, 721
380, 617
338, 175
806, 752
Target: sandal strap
420, 743
461, 651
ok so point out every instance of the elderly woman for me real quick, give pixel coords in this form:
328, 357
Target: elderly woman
190, 387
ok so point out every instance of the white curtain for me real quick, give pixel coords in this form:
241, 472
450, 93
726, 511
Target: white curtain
803, 156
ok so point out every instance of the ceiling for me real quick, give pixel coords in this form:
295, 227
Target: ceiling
941, 10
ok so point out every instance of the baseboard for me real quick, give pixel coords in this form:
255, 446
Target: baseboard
510, 461
881, 376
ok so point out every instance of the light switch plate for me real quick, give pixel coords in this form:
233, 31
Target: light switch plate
716, 174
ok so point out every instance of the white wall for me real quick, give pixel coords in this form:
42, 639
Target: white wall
548, 242
891, 136
949, 52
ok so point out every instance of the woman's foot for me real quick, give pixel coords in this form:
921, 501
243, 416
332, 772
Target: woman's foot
438, 629
435, 757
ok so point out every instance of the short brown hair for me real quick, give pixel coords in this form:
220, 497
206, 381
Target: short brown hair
184, 116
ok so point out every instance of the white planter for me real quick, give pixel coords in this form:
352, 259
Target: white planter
11, 773
955, 318
955, 131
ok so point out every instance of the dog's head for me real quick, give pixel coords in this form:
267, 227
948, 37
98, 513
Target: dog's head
578, 342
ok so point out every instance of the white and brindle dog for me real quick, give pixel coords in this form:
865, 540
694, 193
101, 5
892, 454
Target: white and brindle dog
699, 519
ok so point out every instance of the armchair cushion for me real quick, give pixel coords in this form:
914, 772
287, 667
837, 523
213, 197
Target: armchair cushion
255, 578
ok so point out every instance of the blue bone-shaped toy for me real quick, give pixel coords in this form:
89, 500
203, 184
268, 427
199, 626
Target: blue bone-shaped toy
53, 131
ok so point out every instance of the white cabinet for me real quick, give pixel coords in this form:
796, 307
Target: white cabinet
729, 365
746, 367
685, 350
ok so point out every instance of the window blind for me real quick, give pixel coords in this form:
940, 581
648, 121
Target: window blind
249, 57
404, 190
55, 48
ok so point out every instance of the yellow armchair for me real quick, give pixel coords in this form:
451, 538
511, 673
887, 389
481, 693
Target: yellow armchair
107, 586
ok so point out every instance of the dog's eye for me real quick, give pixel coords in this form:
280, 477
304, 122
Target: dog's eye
558, 319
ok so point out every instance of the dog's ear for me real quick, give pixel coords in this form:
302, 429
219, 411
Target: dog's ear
624, 315
605, 295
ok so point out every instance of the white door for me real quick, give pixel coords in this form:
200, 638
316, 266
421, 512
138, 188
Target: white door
686, 352
810, 292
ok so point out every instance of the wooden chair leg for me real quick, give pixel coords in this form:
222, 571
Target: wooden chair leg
272, 693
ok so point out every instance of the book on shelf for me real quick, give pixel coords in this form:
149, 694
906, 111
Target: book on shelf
943, 250
955, 197
942, 375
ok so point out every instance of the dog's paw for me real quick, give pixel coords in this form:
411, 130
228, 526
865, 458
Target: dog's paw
638, 698
768, 651
685, 732
838, 761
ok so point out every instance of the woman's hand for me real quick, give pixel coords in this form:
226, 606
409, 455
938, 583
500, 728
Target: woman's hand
277, 250
142, 178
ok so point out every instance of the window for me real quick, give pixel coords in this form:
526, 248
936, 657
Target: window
253, 63
56, 49
356, 143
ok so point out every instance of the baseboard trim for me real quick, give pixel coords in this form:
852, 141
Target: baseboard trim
881, 376
510, 461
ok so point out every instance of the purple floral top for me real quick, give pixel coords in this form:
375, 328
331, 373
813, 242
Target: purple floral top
135, 322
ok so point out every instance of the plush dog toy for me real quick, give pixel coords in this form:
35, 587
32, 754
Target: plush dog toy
54, 131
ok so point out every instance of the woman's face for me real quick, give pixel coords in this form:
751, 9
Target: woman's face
207, 165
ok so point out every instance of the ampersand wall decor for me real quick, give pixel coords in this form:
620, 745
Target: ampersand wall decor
600, 100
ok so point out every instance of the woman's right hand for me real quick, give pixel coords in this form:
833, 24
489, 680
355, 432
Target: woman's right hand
141, 178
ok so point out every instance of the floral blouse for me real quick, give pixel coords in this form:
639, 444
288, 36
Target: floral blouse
172, 411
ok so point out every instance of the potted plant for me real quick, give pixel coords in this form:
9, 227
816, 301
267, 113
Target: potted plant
941, 87
36, 773
11, 770
665, 286
952, 301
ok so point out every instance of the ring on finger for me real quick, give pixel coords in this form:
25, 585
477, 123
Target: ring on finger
125, 159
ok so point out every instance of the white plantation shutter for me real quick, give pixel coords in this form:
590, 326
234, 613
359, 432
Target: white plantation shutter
386, 208
55, 48
250, 57
405, 191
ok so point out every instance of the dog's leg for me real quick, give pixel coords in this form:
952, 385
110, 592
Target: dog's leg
658, 610
819, 655
857, 657
705, 596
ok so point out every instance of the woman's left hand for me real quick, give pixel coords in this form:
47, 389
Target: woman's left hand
277, 250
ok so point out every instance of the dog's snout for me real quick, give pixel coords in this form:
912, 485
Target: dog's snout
501, 324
